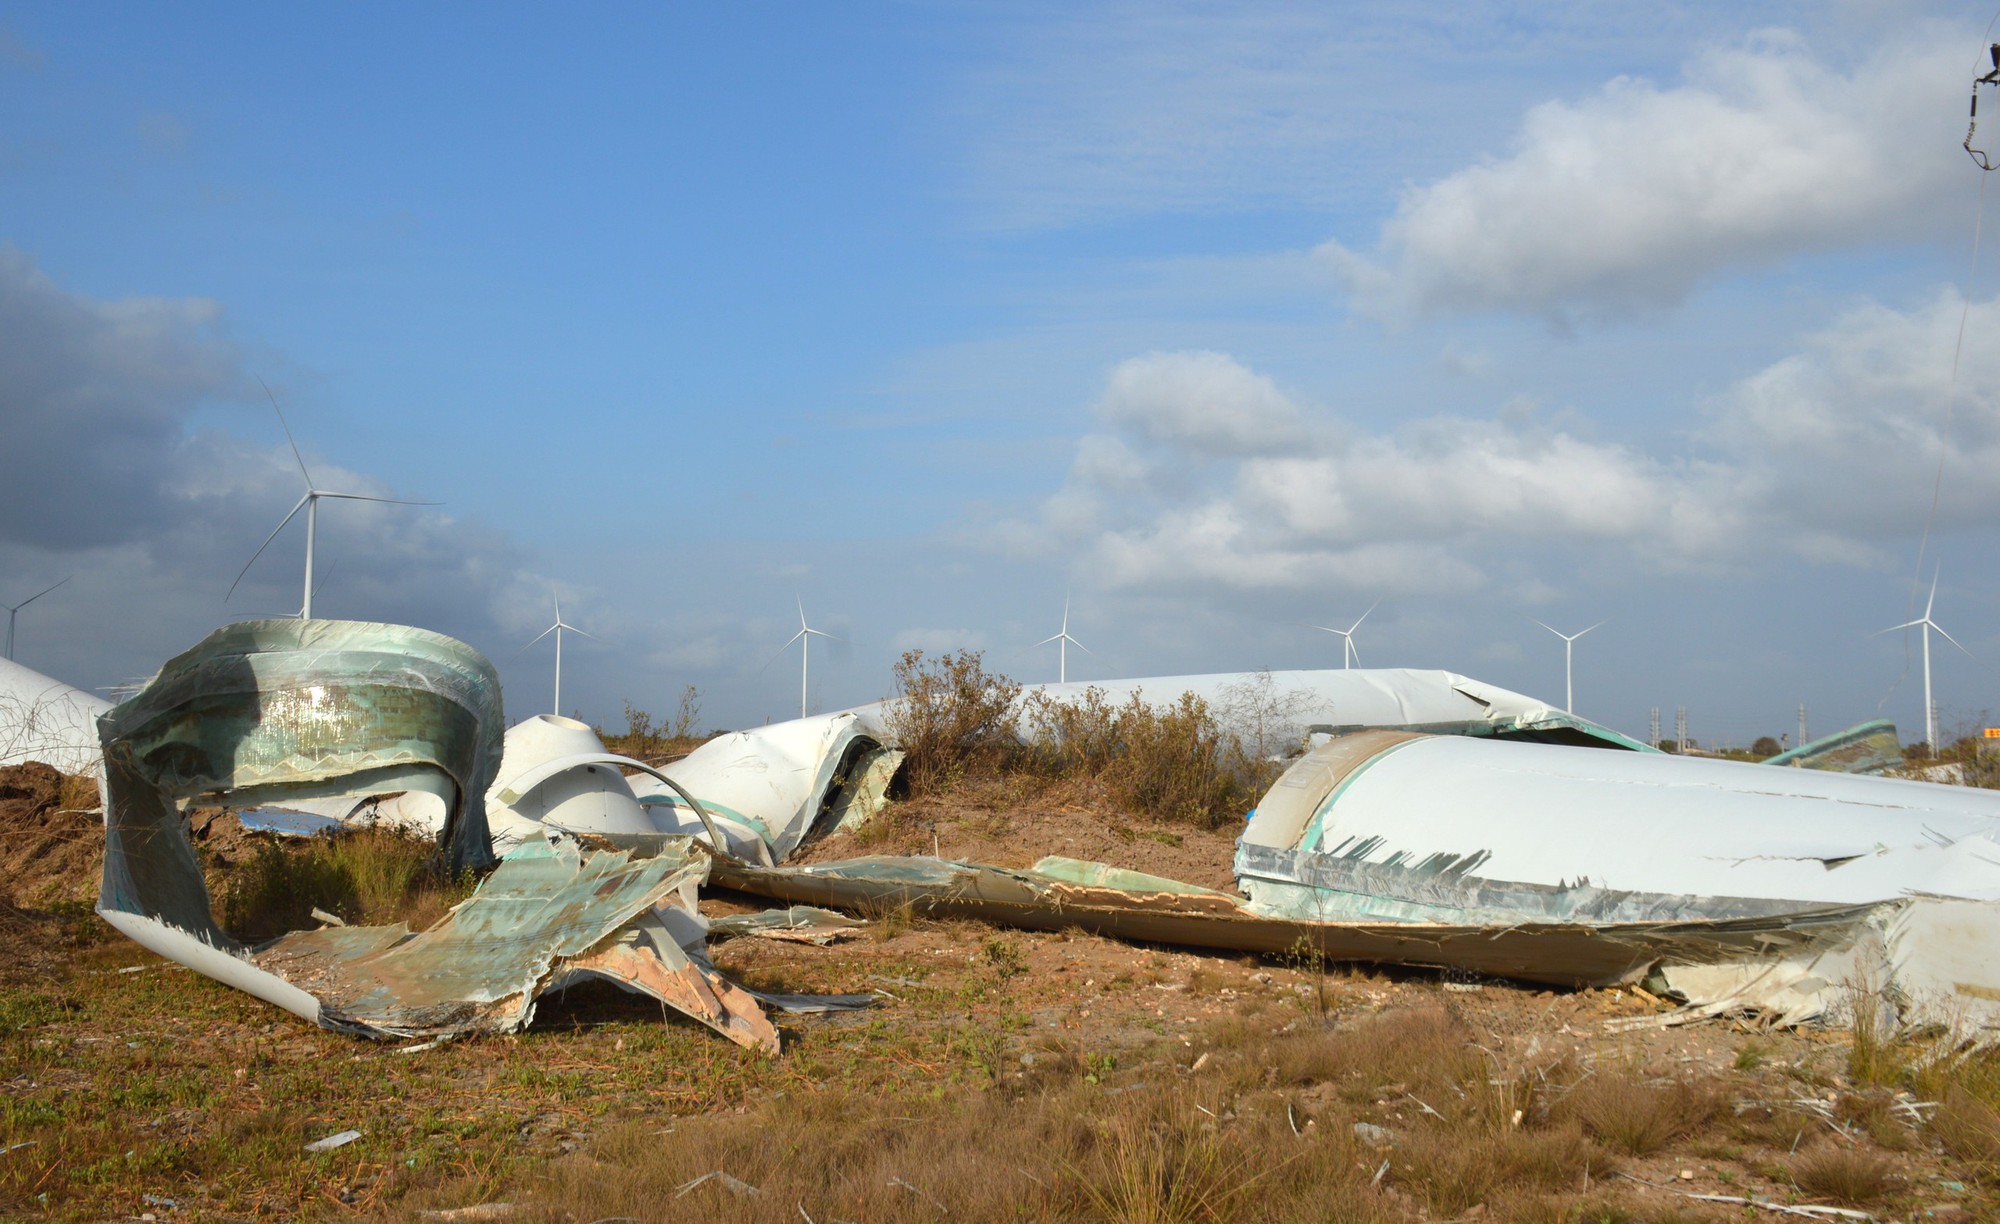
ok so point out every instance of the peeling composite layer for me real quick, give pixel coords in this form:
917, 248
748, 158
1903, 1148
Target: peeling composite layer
1400, 828
270, 712
43, 719
1869, 748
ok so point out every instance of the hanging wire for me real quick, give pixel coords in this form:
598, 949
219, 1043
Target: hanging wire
1986, 165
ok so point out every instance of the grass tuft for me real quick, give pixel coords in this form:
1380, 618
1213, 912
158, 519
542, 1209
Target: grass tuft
1637, 1117
1846, 1175
371, 875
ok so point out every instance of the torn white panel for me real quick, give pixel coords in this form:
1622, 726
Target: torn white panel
43, 719
786, 782
1453, 829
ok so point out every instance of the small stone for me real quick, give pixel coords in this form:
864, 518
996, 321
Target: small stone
1687, 1174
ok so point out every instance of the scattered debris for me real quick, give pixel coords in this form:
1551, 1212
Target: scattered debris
736, 1186
341, 1139
478, 1211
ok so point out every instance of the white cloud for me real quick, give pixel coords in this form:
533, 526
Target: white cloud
1826, 455
1846, 435
1204, 401
1632, 197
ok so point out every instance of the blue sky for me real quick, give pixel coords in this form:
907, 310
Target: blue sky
1223, 320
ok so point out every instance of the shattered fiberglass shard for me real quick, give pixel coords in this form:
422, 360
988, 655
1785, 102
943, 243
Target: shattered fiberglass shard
266, 711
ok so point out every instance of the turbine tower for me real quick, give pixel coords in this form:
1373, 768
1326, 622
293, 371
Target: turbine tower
1063, 642
557, 629
804, 637
13, 611
1925, 621
1569, 659
1349, 656
310, 504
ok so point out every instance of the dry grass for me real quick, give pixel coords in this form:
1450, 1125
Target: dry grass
1851, 1176
1636, 1116
370, 875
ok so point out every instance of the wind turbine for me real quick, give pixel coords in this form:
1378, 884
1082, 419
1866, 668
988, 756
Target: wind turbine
804, 636
1064, 641
1930, 710
1569, 671
11, 612
310, 504
1349, 655
557, 629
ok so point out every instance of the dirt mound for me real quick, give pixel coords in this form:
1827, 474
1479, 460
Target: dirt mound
51, 836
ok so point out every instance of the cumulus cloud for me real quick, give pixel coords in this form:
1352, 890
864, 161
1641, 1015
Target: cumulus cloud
1204, 401
1630, 198
1847, 434
1826, 455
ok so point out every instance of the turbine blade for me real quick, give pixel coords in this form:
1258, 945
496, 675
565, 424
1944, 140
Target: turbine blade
1954, 641
1598, 625
538, 637
817, 633
288, 430
393, 501
1364, 616
781, 652
1891, 629
298, 506
37, 595
1045, 641
580, 633
1550, 628
1080, 646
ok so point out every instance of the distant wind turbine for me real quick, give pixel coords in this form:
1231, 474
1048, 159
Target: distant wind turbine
557, 629
804, 637
310, 504
1063, 642
1927, 624
1349, 655
1569, 669
13, 611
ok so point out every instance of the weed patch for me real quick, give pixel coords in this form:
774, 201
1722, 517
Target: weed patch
365, 875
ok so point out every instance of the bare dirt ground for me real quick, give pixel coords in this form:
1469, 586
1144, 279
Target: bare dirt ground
1003, 1074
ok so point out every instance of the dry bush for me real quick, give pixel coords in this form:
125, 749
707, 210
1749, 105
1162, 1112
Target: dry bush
1844, 1174
656, 742
1173, 761
950, 717
370, 875
1635, 1117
